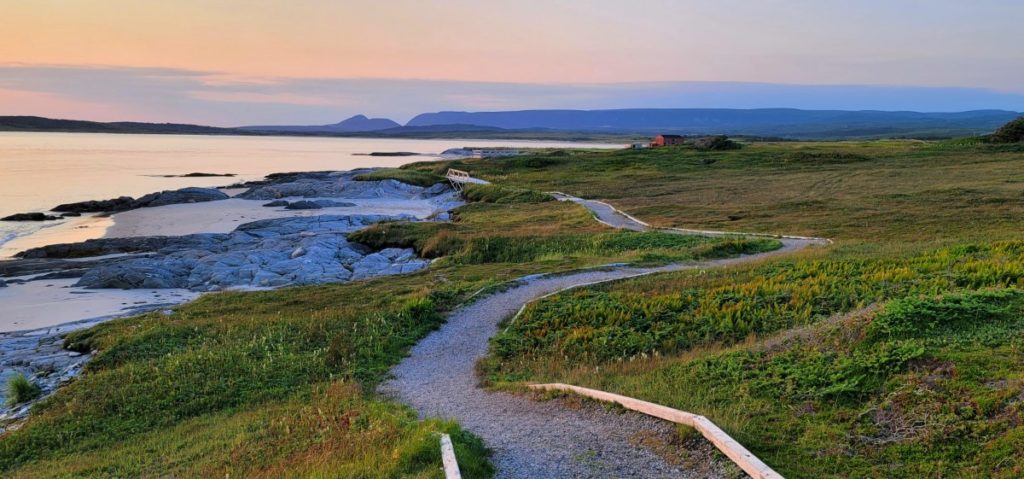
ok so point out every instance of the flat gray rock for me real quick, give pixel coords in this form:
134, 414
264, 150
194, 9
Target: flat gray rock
261, 254
184, 195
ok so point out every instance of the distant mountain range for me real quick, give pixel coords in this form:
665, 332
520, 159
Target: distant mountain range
38, 123
550, 124
356, 124
781, 122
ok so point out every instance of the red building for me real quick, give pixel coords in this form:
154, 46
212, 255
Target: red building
668, 140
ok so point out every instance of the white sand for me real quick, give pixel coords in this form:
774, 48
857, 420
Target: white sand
72, 230
225, 215
41, 304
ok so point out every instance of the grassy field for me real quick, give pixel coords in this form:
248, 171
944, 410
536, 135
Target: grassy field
281, 383
894, 353
906, 191
412, 177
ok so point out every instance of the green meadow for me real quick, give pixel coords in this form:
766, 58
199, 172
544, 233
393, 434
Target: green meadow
894, 352
282, 383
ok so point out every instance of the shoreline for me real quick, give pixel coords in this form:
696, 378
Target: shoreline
25, 298
238, 235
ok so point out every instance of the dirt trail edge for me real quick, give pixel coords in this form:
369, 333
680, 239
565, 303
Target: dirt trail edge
540, 439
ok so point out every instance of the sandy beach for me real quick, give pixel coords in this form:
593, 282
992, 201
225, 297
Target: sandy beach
72, 230
41, 304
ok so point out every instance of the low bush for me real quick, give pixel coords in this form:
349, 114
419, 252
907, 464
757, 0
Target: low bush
675, 312
715, 143
1012, 132
412, 177
424, 237
915, 316
21, 389
491, 193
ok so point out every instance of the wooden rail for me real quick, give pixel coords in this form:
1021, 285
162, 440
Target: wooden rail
458, 178
451, 464
729, 446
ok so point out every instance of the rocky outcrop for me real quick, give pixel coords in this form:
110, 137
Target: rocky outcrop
267, 253
108, 246
261, 254
124, 203
40, 356
121, 203
338, 184
316, 204
201, 175
184, 195
29, 217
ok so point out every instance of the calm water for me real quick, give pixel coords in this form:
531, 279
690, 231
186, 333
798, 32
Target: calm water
41, 170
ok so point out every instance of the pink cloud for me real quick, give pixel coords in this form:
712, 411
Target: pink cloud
34, 103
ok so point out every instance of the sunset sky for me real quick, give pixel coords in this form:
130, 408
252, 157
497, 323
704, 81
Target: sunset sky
234, 62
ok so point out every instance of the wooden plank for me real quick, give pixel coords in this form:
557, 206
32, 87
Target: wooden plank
735, 451
451, 464
743, 458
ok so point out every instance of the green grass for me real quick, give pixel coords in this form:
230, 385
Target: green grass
281, 379
673, 313
910, 191
20, 389
793, 355
491, 193
853, 398
555, 232
281, 383
929, 387
412, 177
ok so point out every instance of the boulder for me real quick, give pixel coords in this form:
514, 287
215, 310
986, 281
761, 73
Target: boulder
3, 284
276, 204
333, 204
117, 204
70, 214
312, 204
184, 195
124, 203
303, 205
29, 217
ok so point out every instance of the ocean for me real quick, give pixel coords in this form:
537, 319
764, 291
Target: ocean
39, 171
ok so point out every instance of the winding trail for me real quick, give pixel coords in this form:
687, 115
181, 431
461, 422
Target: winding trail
540, 439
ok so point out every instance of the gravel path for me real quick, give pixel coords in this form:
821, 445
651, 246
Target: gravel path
605, 213
536, 439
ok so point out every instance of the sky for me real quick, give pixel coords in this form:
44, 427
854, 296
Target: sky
233, 62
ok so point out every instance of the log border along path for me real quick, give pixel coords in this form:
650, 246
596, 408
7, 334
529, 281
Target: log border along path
542, 439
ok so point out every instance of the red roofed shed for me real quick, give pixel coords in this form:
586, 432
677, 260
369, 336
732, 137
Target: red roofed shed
668, 140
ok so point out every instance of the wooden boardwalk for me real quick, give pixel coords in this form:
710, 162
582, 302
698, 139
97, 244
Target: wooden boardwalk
725, 443
459, 179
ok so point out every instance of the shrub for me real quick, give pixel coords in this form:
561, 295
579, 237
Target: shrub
1012, 132
20, 389
412, 177
715, 143
420, 236
914, 316
491, 193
